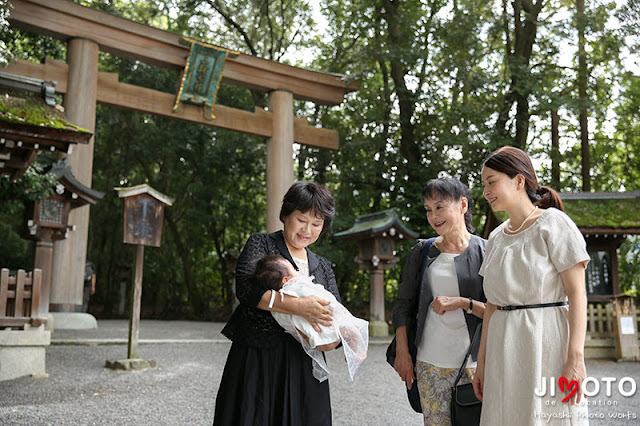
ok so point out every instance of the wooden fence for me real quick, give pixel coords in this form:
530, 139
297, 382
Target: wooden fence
600, 321
19, 298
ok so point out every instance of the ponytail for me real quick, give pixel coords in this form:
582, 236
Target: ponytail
549, 198
513, 161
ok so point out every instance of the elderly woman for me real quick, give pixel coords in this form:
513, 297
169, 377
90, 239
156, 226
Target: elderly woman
451, 301
268, 378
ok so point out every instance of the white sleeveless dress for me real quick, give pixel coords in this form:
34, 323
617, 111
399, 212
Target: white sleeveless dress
527, 346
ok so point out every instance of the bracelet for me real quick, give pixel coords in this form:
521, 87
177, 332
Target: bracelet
470, 310
273, 297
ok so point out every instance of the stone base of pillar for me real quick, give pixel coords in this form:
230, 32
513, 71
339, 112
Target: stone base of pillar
73, 321
50, 324
378, 329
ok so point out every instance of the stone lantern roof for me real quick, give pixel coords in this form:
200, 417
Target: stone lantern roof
80, 194
385, 223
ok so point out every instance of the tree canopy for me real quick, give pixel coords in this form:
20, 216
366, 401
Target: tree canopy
443, 84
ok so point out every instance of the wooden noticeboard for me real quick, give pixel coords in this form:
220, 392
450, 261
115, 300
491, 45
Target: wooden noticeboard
143, 220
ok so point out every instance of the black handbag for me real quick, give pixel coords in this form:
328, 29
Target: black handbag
465, 407
412, 394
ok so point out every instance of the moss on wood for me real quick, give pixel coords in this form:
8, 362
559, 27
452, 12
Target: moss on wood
32, 110
599, 213
620, 213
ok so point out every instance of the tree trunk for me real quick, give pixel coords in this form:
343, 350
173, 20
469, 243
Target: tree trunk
518, 58
555, 149
583, 81
406, 98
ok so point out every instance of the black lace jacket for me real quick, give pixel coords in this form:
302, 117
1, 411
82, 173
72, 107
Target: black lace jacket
255, 327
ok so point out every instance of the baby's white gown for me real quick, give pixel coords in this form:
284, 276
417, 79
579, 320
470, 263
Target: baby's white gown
354, 332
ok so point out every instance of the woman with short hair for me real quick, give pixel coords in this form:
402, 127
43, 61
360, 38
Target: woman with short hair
268, 377
451, 301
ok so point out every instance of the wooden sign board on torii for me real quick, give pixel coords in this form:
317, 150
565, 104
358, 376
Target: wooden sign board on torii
87, 31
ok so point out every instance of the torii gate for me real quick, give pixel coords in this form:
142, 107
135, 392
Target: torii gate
87, 31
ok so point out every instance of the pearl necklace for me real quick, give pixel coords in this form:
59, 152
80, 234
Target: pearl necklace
514, 231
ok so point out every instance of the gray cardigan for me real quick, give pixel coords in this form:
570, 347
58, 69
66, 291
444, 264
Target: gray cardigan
469, 281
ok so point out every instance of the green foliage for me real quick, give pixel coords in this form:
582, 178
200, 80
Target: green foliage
442, 84
16, 207
5, 53
629, 256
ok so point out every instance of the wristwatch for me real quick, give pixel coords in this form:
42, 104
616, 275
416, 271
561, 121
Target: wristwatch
470, 310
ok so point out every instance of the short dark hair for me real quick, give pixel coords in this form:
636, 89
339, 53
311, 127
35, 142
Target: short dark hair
513, 161
270, 271
308, 196
447, 188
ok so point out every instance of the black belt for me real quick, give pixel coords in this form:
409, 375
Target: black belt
540, 305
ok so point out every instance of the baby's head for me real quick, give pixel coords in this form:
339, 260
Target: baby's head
272, 271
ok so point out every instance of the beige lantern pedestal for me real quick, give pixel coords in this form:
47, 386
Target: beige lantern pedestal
376, 234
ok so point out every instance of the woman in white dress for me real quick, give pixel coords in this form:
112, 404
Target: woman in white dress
534, 264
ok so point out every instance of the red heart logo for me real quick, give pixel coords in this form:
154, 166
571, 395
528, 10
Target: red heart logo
565, 385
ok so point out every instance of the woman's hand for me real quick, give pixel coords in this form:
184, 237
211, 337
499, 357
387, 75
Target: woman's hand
478, 380
442, 304
315, 311
574, 369
404, 367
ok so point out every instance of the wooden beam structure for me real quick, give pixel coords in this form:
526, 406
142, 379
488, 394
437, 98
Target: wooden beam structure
88, 31
63, 20
112, 92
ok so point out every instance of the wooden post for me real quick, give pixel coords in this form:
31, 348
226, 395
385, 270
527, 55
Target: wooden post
134, 319
80, 108
377, 325
44, 261
376, 302
279, 155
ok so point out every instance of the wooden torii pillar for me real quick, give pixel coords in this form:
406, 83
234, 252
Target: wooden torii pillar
70, 255
88, 30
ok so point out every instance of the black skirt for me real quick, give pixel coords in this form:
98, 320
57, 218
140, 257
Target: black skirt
271, 386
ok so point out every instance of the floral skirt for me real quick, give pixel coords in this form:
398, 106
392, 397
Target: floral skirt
434, 386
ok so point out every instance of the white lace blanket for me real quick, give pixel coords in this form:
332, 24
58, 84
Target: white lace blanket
354, 332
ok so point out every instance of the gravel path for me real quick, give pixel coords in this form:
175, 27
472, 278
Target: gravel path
182, 389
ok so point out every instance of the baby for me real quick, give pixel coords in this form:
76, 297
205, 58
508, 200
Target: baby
275, 273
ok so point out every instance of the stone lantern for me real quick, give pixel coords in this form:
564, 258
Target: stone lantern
50, 221
376, 234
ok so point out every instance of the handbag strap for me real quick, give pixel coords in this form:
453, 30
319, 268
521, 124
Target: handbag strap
466, 357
